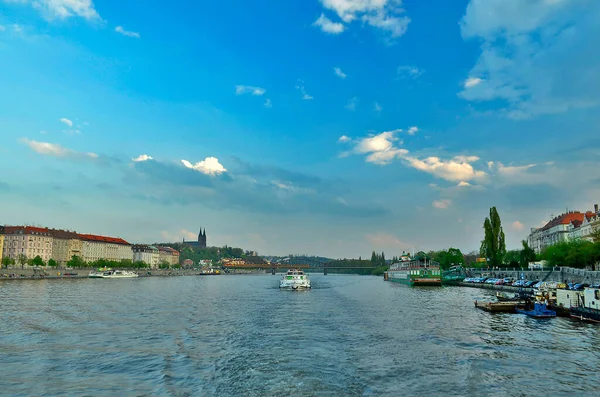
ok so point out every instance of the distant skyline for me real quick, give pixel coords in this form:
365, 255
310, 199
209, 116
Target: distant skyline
322, 127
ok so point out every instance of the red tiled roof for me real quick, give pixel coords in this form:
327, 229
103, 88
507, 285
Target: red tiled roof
565, 219
25, 230
103, 239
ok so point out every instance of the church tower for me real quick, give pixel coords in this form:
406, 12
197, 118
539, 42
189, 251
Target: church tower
202, 238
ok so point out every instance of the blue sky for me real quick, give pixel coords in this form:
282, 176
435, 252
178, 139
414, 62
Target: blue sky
329, 127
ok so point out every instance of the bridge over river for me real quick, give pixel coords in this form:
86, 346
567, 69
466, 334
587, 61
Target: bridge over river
282, 268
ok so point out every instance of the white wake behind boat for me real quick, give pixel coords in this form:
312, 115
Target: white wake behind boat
295, 279
113, 274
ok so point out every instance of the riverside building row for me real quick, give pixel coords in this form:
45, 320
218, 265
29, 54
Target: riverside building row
570, 226
62, 245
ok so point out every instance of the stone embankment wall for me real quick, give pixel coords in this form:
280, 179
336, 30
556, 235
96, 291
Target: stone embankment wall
30, 273
558, 274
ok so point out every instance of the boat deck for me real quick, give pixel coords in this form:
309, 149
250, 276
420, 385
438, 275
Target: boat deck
498, 307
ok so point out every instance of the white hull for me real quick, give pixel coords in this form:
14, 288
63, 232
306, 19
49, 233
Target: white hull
113, 274
294, 286
294, 280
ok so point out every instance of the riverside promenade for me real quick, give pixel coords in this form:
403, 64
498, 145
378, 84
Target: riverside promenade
556, 274
62, 273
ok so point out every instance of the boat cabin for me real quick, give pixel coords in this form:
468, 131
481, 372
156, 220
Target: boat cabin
591, 298
568, 298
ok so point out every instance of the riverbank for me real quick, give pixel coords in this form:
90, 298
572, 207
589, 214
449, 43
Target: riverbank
61, 273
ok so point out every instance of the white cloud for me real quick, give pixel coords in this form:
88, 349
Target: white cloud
517, 225
344, 139
121, 30
142, 157
538, 57
328, 26
208, 166
382, 149
472, 82
382, 14
411, 72
55, 150
300, 87
457, 169
378, 148
442, 204
338, 72
412, 130
63, 9
248, 89
289, 187
268, 103
66, 121
377, 107
386, 240
352, 104
463, 184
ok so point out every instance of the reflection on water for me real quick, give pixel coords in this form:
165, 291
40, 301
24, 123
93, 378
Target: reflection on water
241, 335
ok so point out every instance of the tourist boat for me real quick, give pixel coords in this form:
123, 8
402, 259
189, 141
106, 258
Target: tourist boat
113, 274
295, 279
453, 276
539, 311
419, 271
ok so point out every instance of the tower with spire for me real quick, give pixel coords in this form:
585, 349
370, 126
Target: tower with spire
202, 238
201, 243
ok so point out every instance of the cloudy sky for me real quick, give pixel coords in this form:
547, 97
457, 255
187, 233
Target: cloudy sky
329, 127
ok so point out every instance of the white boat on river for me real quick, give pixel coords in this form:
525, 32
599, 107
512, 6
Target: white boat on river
113, 274
295, 279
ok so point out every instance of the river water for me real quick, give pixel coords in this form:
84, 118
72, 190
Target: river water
242, 336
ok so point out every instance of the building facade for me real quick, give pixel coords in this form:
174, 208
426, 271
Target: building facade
148, 254
572, 225
168, 255
65, 245
101, 247
28, 241
1, 241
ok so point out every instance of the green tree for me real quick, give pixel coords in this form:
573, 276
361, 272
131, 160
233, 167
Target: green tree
52, 263
38, 261
493, 245
7, 261
595, 235
22, 259
76, 261
526, 255
578, 253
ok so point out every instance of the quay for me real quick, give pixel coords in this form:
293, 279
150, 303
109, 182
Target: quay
63, 274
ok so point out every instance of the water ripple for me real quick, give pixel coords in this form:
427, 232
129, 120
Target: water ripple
241, 335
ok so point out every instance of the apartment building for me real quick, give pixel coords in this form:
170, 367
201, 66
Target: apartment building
29, 241
101, 247
1, 241
568, 226
65, 245
148, 254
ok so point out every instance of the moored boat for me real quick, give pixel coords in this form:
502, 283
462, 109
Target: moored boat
504, 297
588, 306
539, 311
419, 271
113, 274
295, 279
